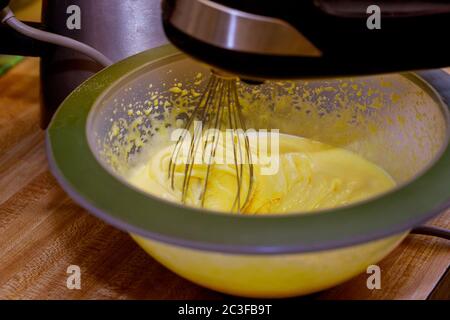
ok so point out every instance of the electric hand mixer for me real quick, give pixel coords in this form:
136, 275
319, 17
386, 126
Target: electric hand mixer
300, 39
262, 40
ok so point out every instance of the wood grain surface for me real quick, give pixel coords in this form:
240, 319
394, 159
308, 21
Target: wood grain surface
42, 231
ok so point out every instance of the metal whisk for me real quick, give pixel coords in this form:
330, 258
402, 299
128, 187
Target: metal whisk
218, 109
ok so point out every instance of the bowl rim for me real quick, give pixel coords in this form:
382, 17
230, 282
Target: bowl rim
92, 186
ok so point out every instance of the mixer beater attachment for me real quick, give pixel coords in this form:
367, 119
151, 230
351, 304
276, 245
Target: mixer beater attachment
218, 110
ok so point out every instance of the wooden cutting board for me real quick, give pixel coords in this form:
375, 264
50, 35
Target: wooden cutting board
43, 232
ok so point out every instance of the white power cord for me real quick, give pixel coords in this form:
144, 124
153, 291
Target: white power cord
7, 17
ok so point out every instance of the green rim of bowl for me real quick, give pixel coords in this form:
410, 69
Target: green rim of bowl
93, 187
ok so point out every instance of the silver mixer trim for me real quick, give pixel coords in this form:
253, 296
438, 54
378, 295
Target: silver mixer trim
236, 30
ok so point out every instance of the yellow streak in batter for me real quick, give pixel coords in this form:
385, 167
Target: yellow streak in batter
311, 176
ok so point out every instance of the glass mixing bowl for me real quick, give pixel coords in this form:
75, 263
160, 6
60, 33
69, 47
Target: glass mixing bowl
398, 122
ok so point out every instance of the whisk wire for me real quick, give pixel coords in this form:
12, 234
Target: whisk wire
240, 123
237, 163
194, 143
215, 142
185, 132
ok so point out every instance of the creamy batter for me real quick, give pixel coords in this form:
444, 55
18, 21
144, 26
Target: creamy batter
310, 176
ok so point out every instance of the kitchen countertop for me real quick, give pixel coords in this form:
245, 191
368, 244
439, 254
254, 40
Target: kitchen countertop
42, 231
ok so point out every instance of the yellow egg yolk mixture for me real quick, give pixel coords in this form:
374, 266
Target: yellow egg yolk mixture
309, 176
